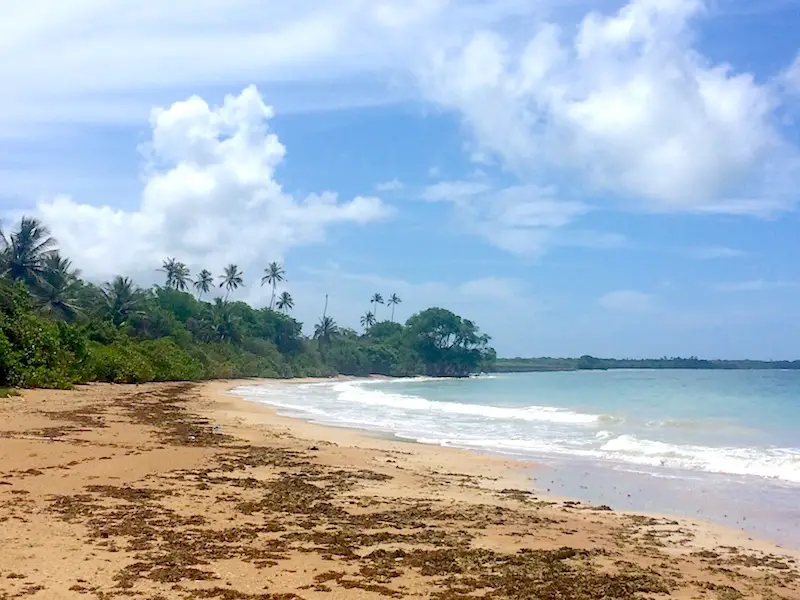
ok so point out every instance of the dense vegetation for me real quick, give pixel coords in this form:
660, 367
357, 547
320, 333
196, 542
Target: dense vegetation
586, 362
57, 330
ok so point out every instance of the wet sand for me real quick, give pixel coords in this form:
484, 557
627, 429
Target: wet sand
181, 491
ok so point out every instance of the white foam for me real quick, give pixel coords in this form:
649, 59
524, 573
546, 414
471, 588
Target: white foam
776, 463
354, 392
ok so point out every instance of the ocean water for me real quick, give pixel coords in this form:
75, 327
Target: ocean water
723, 445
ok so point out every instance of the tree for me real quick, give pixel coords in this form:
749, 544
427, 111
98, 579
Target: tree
325, 330
177, 274
57, 291
224, 322
448, 345
393, 301
376, 299
203, 282
231, 279
23, 252
285, 302
123, 299
273, 274
368, 320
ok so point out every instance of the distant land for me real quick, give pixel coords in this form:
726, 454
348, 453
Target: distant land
592, 363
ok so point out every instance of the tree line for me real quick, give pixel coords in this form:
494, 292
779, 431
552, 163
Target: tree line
592, 363
57, 329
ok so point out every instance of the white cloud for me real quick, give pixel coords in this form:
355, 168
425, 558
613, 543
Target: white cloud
712, 252
389, 186
454, 191
210, 197
754, 285
519, 219
627, 301
791, 77
626, 103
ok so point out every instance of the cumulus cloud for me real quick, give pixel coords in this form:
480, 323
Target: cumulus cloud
210, 197
627, 301
392, 185
628, 104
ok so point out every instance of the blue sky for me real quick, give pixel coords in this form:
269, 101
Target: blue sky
578, 177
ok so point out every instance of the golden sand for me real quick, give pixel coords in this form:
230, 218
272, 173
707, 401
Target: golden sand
181, 491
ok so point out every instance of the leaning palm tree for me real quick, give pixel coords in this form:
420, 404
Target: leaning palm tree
57, 292
325, 330
368, 320
23, 252
231, 279
376, 299
203, 282
285, 302
123, 299
393, 301
273, 275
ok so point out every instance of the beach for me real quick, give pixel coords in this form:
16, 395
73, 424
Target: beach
181, 490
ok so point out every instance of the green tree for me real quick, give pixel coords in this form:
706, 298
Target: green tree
273, 275
375, 300
123, 299
393, 301
325, 330
285, 302
57, 291
24, 250
177, 274
225, 324
448, 345
203, 282
231, 279
368, 320
169, 267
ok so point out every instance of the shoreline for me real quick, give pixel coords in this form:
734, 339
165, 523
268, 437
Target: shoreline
721, 533
183, 491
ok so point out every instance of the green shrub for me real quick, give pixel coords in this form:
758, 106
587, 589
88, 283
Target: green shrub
120, 363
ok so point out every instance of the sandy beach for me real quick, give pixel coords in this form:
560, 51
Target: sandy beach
180, 490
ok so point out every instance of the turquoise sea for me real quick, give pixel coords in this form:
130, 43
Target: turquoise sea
724, 445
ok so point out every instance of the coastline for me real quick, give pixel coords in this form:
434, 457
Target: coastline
181, 490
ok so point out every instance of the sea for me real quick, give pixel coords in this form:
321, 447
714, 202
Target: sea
709, 444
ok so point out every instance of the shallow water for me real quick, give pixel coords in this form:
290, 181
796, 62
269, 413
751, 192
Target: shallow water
723, 445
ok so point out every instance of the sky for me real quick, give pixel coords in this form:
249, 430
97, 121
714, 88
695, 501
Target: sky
578, 177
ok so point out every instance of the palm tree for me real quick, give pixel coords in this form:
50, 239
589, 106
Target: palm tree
23, 252
368, 320
393, 301
182, 279
203, 282
169, 267
273, 275
376, 299
285, 302
231, 279
223, 322
325, 330
123, 299
177, 274
57, 291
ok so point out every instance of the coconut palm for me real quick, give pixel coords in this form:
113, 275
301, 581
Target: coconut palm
223, 322
273, 275
177, 274
393, 301
376, 299
231, 279
368, 320
285, 302
169, 266
203, 282
123, 299
57, 292
181, 276
23, 252
325, 330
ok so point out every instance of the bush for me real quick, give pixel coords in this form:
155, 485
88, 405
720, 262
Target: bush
119, 363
